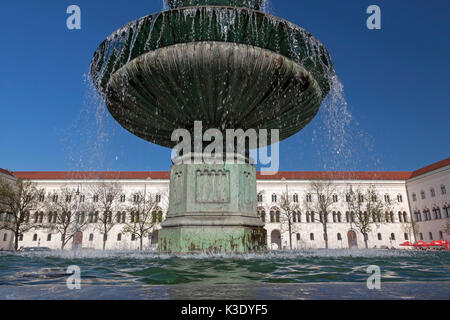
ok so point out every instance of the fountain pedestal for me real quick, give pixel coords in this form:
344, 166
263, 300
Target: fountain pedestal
212, 208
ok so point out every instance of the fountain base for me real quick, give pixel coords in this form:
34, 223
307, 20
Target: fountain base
212, 208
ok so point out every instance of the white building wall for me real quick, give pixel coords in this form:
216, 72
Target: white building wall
424, 183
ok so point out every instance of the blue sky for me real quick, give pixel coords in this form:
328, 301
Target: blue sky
396, 84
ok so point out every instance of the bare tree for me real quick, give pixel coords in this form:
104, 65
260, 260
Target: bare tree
412, 229
145, 214
106, 200
18, 198
447, 228
289, 214
66, 214
324, 194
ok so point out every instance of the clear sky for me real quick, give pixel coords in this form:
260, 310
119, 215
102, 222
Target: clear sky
396, 84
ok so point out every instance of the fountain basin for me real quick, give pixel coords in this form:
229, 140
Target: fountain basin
225, 85
207, 23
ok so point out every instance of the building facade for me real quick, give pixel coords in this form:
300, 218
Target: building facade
6, 236
419, 208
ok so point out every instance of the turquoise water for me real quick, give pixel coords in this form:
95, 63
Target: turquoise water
309, 269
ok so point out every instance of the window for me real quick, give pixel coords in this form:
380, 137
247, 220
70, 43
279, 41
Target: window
443, 190
297, 217
41, 198
82, 198
418, 216
122, 199
274, 198
133, 237
119, 237
335, 198
422, 194
49, 237
95, 199
68, 198
339, 215
392, 236
308, 217
421, 236
21, 237
374, 198
109, 198
272, 216
380, 237
430, 235
347, 198
447, 212
387, 199
35, 237
400, 198
296, 198
441, 235
361, 198
414, 196
262, 214
432, 192
298, 237
260, 198
405, 217
5, 237
277, 216
339, 237
308, 198
406, 236
91, 237
311, 237
55, 198
400, 217
321, 198
158, 198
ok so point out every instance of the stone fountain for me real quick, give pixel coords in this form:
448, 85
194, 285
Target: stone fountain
231, 66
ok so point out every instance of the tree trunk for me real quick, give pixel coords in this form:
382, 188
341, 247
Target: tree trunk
140, 243
290, 235
325, 233
104, 241
63, 244
16, 241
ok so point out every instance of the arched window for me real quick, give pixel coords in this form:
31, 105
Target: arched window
443, 190
400, 198
432, 192
119, 237
21, 237
91, 237
392, 236
422, 194
347, 217
405, 217
133, 237
311, 237
339, 237
272, 216
274, 198
278, 216
5, 237
158, 198
380, 237
298, 237
430, 235
49, 237
296, 198
335, 198
35, 237
313, 217
387, 198
441, 235
406, 236
308, 217
308, 198
400, 217
334, 217
421, 236
262, 214
414, 197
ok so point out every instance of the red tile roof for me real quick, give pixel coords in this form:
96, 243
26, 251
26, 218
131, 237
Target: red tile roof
7, 172
166, 175
433, 167
291, 175
92, 175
